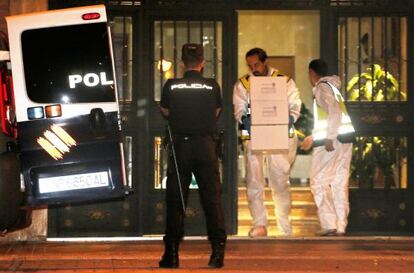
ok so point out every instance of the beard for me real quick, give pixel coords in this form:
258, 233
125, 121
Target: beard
260, 74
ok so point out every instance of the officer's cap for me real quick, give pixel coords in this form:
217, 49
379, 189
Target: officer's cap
191, 52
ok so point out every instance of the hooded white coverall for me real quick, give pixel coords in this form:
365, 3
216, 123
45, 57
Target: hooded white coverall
329, 171
278, 164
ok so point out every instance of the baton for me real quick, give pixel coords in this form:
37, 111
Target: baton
176, 169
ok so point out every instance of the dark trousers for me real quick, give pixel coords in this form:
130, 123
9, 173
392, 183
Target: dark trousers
195, 155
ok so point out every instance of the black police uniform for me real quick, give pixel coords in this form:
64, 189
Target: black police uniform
192, 103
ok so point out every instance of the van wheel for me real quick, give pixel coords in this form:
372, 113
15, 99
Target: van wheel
12, 217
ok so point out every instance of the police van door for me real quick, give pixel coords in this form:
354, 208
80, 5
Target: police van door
168, 36
66, 106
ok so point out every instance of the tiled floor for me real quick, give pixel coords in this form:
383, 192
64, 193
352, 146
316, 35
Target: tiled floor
242, 255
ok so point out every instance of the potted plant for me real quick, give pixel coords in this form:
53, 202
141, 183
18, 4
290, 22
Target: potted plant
375, 160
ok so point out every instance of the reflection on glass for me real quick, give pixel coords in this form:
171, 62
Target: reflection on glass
169, 37
373, 58
122, 37
84, 77
161, 163
379, 162
160, 166
128, 159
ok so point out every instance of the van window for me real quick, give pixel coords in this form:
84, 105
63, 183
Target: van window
68, 64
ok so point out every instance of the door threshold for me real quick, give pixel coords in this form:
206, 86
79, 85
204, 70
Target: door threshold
241, 238
329, 238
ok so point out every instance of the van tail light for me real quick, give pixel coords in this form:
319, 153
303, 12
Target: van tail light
35, 112
53, 111
91, 16
7, 113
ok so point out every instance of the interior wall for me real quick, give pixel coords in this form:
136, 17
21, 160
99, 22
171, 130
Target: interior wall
282, 33
4, 11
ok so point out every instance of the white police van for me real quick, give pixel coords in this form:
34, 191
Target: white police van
62, 107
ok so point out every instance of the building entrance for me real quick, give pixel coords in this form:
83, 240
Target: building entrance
147, 37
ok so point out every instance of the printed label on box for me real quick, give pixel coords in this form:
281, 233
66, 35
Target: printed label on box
269, 112
268, 88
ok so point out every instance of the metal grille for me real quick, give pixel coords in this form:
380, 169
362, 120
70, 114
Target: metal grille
373, 58
177, 3
297, 3
169, 36
124, 3
161, 165
122, 40
371, 3
281, 3
58, 4
55, 4
379, 163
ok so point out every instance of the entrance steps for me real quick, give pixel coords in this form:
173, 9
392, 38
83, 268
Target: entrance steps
303, 214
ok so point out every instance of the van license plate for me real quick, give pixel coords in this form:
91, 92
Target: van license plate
73, 182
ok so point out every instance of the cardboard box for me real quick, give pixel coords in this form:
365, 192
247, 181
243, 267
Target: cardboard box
269, 139
268, 100
268, 88
269, 112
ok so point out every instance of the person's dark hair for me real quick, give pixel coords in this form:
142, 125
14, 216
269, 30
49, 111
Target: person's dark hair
192, 55
259, 52
319, 66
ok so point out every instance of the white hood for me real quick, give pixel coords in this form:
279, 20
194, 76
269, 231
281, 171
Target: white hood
334, 79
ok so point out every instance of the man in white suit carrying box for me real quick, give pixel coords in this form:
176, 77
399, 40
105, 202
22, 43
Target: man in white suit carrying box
278, 164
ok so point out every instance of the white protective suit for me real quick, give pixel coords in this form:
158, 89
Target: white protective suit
329, 171
278, 164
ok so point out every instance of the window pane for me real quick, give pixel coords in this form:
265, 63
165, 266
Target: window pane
373, 58
160, 166
195, 32
68, 64
219, 52
379, 162
169, 37
122, 42
161, 163
128, 159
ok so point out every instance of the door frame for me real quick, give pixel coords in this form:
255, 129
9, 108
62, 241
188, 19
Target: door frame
153, 200
377, 211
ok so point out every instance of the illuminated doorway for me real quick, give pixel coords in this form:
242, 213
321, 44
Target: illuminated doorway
291, 40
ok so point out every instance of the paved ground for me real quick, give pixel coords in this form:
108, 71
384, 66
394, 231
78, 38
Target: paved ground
310, 255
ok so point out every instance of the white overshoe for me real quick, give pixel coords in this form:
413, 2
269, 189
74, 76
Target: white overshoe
326, 232
258, 231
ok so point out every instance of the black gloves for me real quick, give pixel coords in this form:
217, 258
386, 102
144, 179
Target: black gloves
291, 121
246, 123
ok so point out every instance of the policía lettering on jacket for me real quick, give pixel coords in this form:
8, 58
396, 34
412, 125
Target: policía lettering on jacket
191, 86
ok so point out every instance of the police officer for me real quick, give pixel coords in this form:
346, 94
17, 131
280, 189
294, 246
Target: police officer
192, 105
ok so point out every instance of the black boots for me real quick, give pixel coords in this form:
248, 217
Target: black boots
170, 257
217, 255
